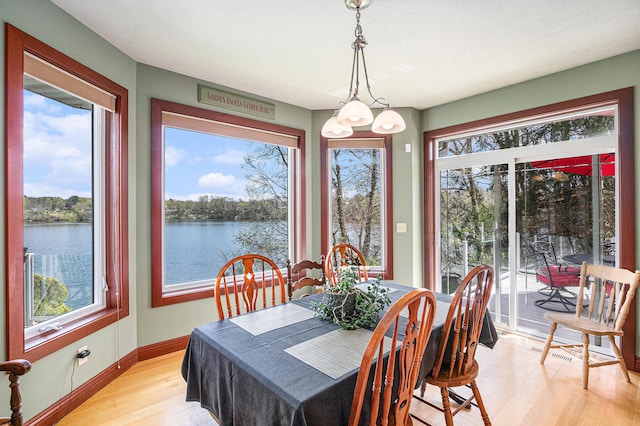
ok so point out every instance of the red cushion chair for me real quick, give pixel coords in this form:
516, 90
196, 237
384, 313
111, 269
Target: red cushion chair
557, 278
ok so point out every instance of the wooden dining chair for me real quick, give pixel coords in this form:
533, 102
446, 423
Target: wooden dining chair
246, 279
455, 360
388, 386
612, 292
298, 279
15, 368
343, 255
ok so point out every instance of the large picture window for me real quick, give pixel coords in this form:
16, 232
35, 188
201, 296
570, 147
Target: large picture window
222, 186
66, 199
356, 197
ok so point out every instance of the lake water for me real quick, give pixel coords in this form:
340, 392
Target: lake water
193, 251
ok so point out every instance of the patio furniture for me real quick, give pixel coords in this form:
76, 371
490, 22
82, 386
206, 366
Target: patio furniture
605, 316
298, 279
245, 279
455, 364
388, 386
555, 277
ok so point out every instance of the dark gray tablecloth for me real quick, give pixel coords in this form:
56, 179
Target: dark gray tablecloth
250, 380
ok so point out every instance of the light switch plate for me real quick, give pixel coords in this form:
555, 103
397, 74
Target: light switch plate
401, 227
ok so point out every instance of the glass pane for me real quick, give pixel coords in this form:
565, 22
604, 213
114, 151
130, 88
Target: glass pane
568, 206
58, 203
474, 229
356, 197
586, 125
223, 197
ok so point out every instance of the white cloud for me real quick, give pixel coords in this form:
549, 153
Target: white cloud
232, 156
216, 180
44, 189
172, 156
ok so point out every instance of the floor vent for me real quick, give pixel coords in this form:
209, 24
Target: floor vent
553, 354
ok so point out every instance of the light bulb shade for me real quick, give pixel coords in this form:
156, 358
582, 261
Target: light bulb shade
355, 113
332, 129
387, 122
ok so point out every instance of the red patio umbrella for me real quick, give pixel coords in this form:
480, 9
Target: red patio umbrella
581, 165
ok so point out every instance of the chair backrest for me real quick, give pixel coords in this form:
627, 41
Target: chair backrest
462, 327
342, 255
546, 249
15, 368
390, 385
297, 277
611, 297
246, 279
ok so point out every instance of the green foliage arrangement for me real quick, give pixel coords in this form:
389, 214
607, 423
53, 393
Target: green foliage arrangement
349, 306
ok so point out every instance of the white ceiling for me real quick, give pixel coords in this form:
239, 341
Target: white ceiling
421, 53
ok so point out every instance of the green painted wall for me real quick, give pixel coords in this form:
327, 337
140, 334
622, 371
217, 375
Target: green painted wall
598, 77
50, 378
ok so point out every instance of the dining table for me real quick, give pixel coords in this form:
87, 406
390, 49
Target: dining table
283, 365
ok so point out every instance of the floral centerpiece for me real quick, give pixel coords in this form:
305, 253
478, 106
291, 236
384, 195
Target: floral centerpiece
350, 306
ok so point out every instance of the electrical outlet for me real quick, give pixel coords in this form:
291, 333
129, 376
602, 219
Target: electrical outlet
84, 359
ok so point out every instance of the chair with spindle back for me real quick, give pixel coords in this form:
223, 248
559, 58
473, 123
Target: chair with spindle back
455, 360
390, 385
15, 368
612, 292
246, 279
298, 279
343, 255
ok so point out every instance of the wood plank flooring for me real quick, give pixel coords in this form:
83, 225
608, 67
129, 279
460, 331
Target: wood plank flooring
516, 390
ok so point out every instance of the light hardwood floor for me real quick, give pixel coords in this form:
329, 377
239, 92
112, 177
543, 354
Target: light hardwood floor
516, 390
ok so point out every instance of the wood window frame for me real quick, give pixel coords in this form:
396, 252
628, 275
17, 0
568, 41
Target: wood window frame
160, 108
325, 188
623, 98
116, 203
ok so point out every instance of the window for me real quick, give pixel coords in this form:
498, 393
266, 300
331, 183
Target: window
562, 174
66, 204
356, 197
222, 186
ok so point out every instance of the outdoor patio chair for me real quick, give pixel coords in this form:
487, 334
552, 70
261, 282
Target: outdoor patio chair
246, 279
613, 291
298, 279
555, 277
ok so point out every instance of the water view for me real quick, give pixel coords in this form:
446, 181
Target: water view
194, 251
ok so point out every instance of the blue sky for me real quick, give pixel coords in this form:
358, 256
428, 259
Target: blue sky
201, 164
57, 148
57, 156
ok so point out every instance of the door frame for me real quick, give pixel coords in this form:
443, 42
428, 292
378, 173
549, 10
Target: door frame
623, 98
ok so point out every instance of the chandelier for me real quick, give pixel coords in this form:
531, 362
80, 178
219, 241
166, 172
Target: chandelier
354, 112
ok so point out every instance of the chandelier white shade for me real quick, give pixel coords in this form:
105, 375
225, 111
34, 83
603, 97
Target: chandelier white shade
333, 129
354, 112
388, 121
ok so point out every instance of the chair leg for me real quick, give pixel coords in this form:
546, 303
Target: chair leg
618, 354
483, 411
423, 388
446, 406
585, 361
547, 344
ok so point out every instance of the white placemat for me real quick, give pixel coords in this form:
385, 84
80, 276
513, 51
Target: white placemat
335, 353
261, 321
